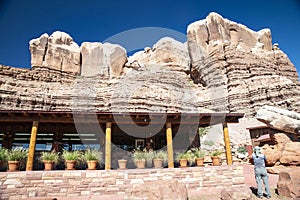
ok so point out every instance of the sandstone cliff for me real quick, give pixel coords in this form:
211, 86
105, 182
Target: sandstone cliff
223, 66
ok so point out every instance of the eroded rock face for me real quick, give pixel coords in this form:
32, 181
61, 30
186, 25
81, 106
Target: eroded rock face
279, 119
242, 64
102, 59
58, 52
290, 154
167, 52
224, 67
289, 183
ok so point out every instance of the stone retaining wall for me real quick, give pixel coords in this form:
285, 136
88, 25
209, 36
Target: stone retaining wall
22, 185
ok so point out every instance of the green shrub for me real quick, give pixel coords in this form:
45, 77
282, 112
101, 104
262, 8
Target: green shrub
17, 154
3, 155
49, 156
198, 153
72, 155
139, 155
208, 143
242, 150
92, 154
216, 153
161, 155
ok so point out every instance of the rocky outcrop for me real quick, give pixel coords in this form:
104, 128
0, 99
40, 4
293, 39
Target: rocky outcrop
242, 64
289, 183
280, 119
223, 67
166, 52
102, 59
58, 52
290, 154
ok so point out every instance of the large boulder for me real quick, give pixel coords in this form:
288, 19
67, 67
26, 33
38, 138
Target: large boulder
167, 51
289, 183
290, 154
102, 59
234, 193
58, 52
272, 152
157, 190
280, 119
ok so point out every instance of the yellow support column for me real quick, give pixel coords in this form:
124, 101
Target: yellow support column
169, 145
29, 164
108, 146
227, 144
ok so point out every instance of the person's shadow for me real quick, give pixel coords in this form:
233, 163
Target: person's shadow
254, 190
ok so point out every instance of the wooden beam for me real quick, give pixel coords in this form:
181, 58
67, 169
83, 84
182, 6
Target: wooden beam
169, 145
32, 143
227, 144
108, 146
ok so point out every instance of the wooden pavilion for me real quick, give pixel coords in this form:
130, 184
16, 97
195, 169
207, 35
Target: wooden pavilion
58, 126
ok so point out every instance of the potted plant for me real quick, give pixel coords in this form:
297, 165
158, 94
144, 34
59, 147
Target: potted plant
92, 157
159, 157
139, 158
199, 156
71, 157
215, 157
3, 156
49, 159
185, 158
14, 157
149, 157
122, 163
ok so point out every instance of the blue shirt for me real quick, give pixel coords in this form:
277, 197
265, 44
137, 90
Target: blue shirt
259, 160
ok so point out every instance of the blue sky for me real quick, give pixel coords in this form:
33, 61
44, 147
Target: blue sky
91, 20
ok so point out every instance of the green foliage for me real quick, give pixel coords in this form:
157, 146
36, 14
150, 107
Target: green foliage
72, 155
92, 154
216, 153
139, 155
203, 131
161, 155
17, 154
3, 155
208, 143
198, 153
242, 150
186, 155
149, 155
49, 156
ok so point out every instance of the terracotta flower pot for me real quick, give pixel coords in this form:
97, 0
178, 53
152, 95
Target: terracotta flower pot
49, 165
92, 164
157, 163
183, 162
140, 164
199, 162
216, 160
70, 164
13, 166
122, 164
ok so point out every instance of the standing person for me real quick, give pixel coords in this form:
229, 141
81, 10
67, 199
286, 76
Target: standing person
260, 172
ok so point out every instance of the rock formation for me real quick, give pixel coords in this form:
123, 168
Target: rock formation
223, 67
242, 64
102, 59
289, 183
58, 52
280, 119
